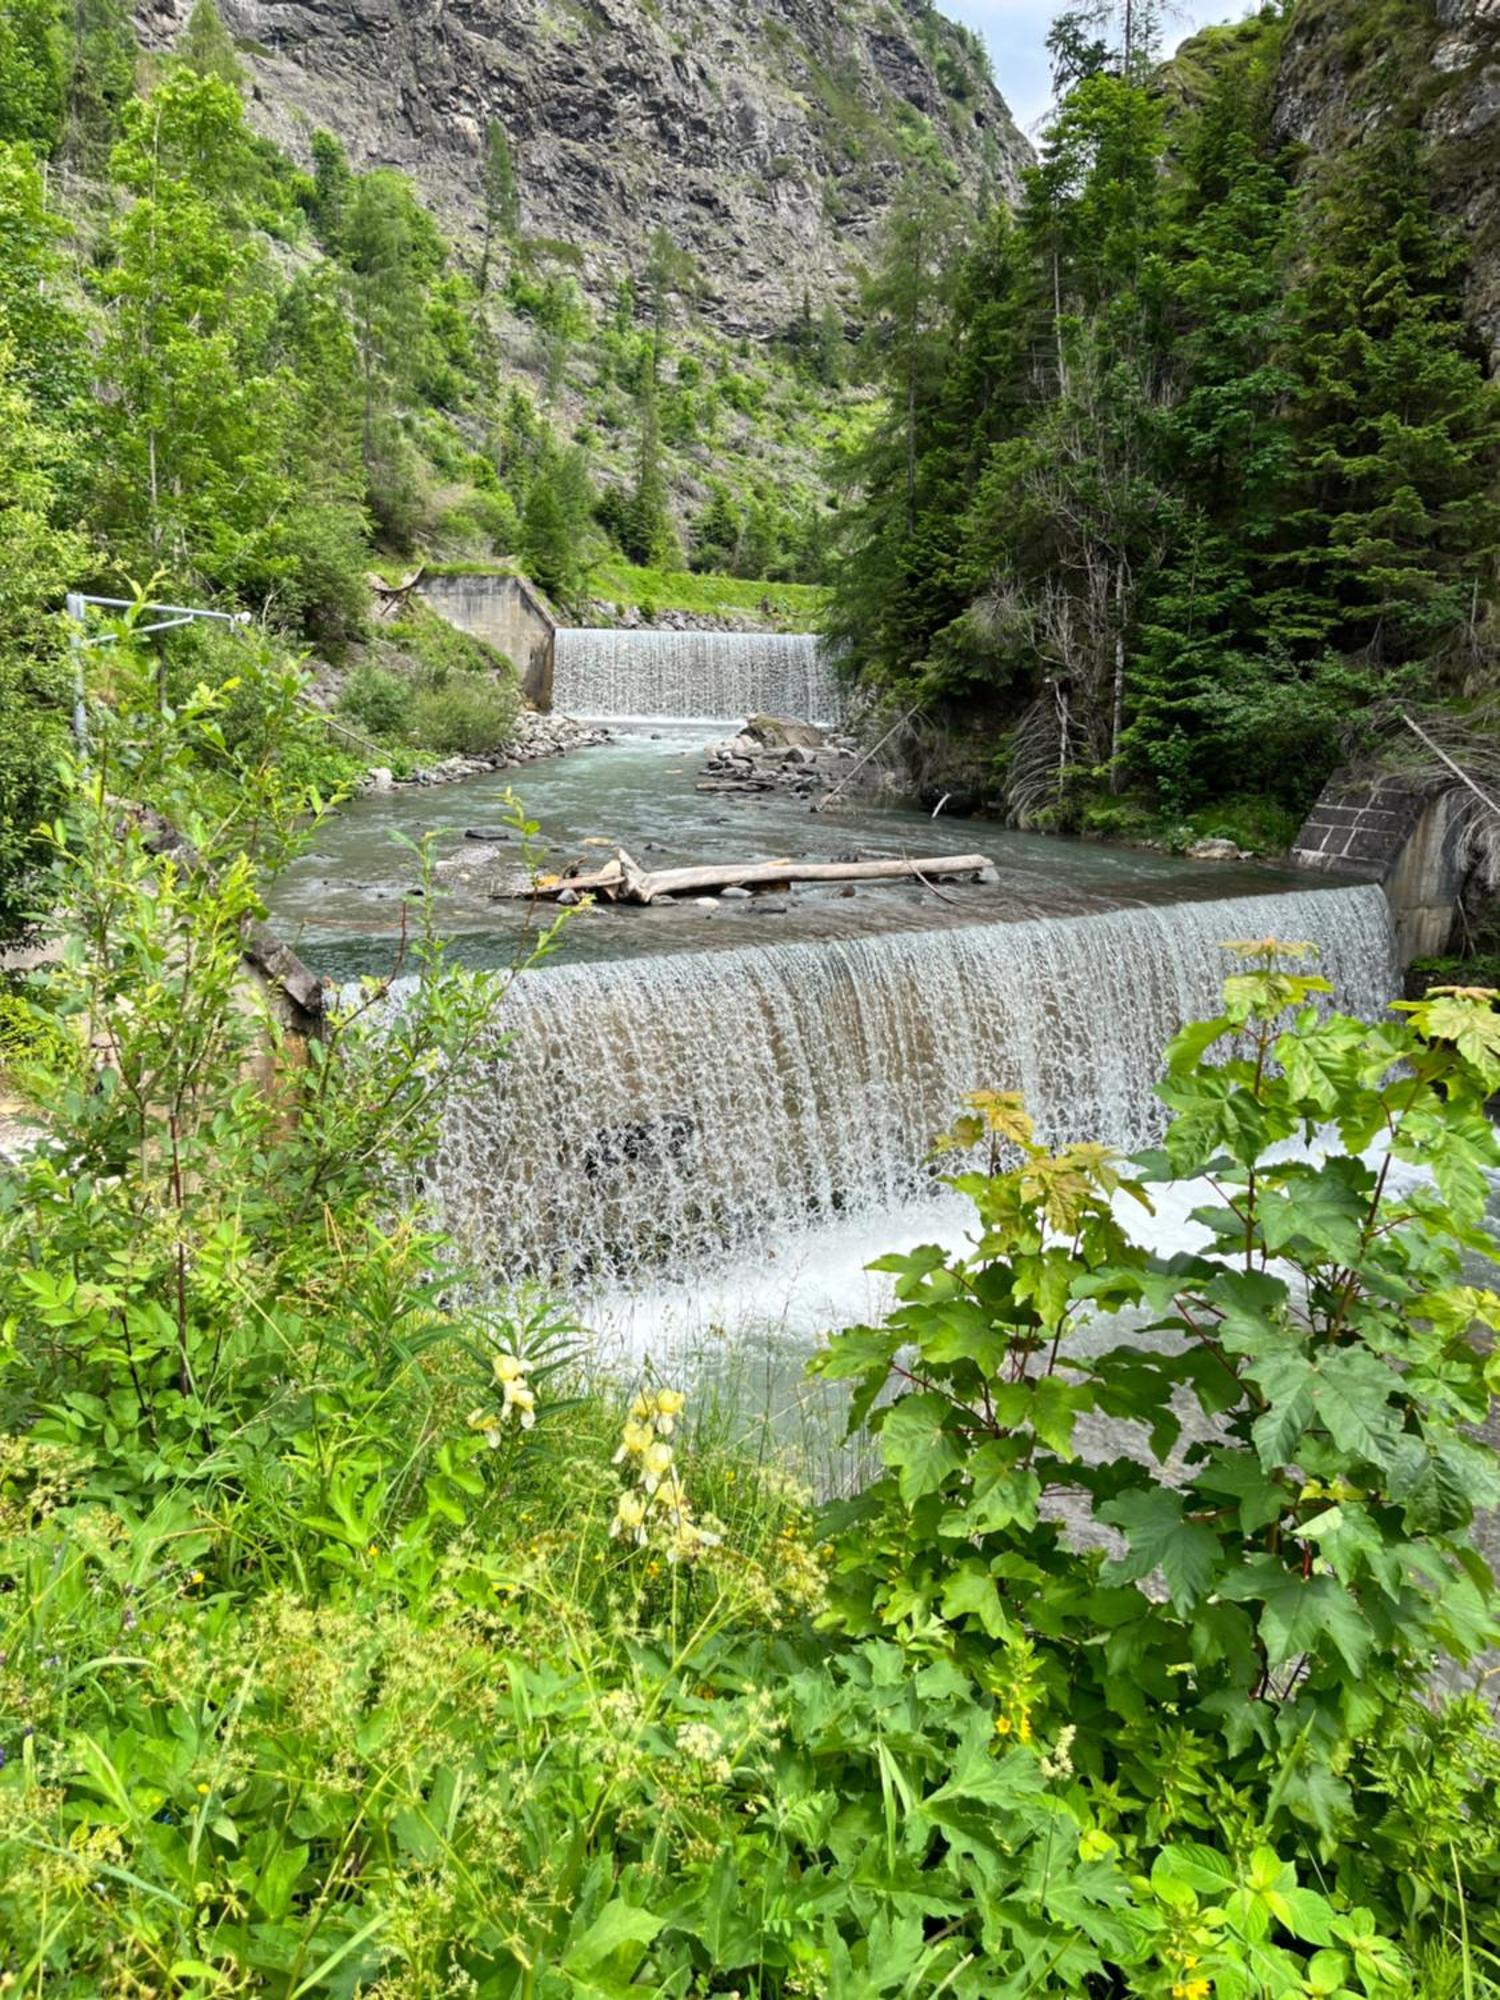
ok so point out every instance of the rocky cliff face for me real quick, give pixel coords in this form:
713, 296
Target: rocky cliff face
1349, 64
767, 135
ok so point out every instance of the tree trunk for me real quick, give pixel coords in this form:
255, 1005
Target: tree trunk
622, 880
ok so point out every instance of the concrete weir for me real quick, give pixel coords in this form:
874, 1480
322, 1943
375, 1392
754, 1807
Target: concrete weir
507, 612
1406, 835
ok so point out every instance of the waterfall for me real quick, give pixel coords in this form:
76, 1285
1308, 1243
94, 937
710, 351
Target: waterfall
707, 676
649, 1115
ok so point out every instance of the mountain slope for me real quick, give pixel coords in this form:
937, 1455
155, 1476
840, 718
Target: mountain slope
1348, 65
768, 140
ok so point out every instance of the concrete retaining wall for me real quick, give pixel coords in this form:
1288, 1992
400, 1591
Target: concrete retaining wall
1402, 833
506, 612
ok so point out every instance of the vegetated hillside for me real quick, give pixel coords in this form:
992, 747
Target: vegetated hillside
1187, 482
768, 140
1349, 67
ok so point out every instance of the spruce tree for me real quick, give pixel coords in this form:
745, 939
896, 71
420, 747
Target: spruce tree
1393, 524
502, 198
650, 535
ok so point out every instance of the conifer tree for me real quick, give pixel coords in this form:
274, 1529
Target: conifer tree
101, 81
502, 198
205, 46
555, 523
1394, 522
650, 536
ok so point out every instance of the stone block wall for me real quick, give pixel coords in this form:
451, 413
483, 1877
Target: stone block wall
1400, 832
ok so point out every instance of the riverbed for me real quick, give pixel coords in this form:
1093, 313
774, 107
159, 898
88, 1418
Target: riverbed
341, 904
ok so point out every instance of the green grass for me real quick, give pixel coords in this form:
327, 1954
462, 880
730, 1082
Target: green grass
792, 604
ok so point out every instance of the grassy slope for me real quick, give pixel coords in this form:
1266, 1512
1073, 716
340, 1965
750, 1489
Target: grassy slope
795, 605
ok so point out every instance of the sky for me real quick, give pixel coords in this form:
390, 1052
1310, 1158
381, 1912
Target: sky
1016, 31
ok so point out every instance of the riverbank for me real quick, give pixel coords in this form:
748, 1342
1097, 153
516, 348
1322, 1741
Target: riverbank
537, 737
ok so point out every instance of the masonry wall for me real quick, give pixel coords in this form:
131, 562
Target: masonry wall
1403, 834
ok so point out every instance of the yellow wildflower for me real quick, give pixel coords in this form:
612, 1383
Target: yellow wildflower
507, 1367
656, 1463
486, 1421
635, 1439
630, 1517
520, 1398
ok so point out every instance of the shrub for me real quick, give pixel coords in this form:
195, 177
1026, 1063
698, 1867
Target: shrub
378, 701
1231, 1640
464, 714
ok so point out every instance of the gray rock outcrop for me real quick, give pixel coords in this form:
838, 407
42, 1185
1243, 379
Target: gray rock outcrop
768, 139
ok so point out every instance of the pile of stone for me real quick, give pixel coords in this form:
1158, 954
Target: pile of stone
629, 618
777, 753
536, 736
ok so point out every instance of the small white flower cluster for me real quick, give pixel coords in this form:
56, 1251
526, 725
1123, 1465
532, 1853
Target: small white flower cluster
517, 1399
658, 1499
1059, 1762
701, 1743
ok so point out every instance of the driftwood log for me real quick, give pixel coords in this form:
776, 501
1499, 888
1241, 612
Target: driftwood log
623, 880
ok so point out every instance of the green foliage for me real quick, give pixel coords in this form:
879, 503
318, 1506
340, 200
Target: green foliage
1241, 1632
797, 605
32, 80
556, 530
378, 700
462, 697
349, 1642
38, 562
1183, 478
502, 199
470, 714
205, 46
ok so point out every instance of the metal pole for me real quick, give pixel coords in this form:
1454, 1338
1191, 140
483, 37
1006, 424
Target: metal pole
75, 649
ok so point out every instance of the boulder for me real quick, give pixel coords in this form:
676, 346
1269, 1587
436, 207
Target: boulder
1217, 850
784, 732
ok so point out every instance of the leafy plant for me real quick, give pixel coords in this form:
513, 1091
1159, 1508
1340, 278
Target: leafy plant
1233, 1615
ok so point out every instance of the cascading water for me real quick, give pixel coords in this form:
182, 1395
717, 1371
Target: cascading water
653, 1115
710, 676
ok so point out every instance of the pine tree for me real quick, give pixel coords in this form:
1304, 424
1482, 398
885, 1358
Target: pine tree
101, 80
333, 190
555, 523
716, 538
893, 586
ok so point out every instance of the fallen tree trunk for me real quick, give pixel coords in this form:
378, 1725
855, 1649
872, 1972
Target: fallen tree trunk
622, 880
